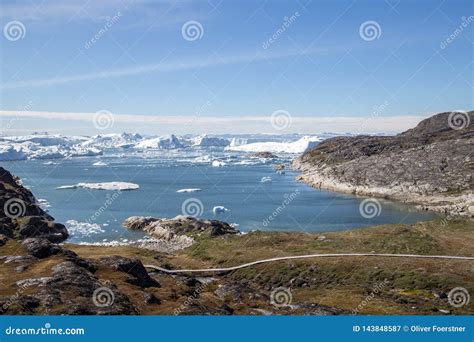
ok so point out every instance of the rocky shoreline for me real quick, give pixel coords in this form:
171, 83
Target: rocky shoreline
41, 274
430, 165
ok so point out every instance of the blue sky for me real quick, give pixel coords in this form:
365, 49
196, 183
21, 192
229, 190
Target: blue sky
319, 67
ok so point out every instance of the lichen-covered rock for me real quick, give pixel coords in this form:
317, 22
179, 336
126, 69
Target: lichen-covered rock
178, 231
430, 165
133, 267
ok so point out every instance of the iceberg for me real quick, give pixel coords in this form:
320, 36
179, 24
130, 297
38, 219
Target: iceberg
108, 141
166, 142
218, 163
100, 163
206, 141
114, 186
218, 209
298, 146
188, 190
11, 153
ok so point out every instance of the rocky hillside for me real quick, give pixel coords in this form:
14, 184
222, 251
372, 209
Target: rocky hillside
431, 164
21, 216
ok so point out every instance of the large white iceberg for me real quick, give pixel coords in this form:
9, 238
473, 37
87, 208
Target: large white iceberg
298, 146
206, 141
166, 142
11, 153
123, 140
114, 186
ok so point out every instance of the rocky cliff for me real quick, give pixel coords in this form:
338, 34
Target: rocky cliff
430, 165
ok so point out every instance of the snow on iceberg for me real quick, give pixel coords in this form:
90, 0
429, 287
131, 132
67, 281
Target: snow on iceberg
219, 209
113, 140
218, 163
11, 153
114, 186
166, 142
298, 146
206, 141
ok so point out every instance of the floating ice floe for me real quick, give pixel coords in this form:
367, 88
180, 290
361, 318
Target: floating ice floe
100, 163
84, 229
218, 163
266, 179
44, 204
189, 190
219, 209
114, 186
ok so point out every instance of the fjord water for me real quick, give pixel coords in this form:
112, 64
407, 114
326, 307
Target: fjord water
237, 186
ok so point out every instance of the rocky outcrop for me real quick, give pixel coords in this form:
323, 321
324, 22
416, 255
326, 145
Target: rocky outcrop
265, 155
431, 165
20, 215
178, 232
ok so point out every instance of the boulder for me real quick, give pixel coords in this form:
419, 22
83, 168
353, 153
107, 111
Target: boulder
133, 267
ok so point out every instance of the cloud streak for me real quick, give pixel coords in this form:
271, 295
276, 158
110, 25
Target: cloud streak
163, 66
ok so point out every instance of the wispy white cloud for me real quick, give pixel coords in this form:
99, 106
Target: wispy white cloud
164, 66
81, 123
